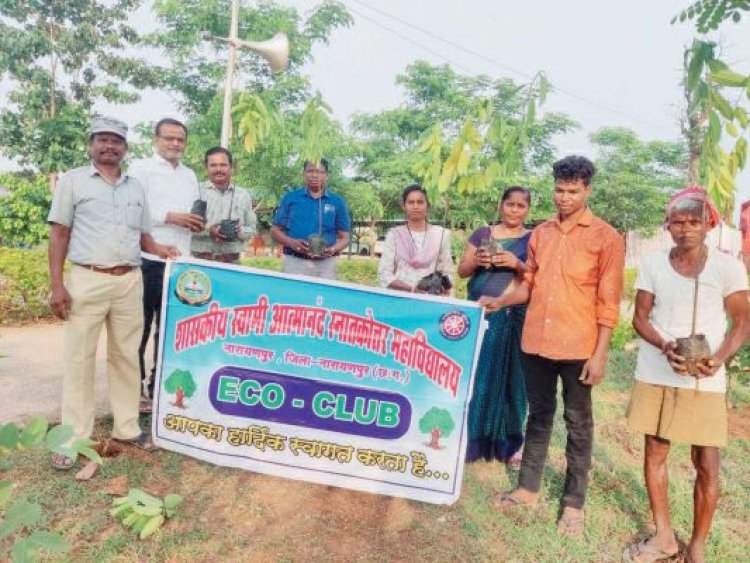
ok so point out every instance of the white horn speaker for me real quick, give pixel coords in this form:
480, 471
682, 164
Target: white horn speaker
274, 50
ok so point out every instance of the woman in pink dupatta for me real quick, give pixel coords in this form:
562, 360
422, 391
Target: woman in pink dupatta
413, 250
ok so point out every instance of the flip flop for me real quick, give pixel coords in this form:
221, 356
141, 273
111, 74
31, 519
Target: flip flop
506, 502
572, 526
62, 462
641, 552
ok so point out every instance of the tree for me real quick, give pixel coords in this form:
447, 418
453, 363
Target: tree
268, 109
60, 58
180, 383
710, 14
24, 210
709, 114
408, 143
635, 178
437, 423
363, 202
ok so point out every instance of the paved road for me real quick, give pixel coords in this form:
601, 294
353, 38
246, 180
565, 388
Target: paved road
31, 372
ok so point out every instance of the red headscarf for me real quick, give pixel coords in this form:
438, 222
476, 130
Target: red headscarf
696, 193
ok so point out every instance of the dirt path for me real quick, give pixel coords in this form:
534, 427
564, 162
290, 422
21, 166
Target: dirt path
31, 371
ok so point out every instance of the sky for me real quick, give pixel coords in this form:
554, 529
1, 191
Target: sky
613, 63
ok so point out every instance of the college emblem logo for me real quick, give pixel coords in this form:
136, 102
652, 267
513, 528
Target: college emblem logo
454, 325
193, 288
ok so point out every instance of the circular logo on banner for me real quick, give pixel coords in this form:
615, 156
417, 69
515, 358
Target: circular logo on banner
454, 325
193, 287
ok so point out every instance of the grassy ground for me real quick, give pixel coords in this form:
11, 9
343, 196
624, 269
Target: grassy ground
233, 515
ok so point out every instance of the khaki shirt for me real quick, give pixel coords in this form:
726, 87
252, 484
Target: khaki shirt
231, 203
105, 220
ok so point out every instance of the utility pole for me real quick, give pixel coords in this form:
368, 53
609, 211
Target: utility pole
275, 51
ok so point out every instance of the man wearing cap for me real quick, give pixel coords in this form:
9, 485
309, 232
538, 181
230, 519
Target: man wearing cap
99, 220
230, 220
690, 289
307, 215
171, 188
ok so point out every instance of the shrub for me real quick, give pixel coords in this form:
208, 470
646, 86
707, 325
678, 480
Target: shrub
24, 284
622, 335
263, 263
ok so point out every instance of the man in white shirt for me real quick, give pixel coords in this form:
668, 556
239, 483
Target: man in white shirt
171, 188
691, 289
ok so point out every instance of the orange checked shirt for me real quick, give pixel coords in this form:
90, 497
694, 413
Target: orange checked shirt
575, 277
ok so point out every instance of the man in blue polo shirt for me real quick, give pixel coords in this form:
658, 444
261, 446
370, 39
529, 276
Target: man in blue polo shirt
312, 224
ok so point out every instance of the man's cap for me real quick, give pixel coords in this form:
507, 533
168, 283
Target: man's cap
108, 125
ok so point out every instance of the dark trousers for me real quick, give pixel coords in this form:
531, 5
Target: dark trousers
153, 277
541, 390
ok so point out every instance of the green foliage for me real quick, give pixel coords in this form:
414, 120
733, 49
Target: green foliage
143, 513
460, 131
180, 379
268, 108
635, 178
437, 418
22, 515
710, 14
490, 144
712, 111
256, 120
364, 203
622, 335
24, 284
263, 263
363, 272
198, 64
23, 212
61, 58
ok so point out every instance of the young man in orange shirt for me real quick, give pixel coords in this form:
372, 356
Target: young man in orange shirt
573, 287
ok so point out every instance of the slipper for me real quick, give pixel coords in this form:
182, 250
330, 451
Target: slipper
506, 502
62, 462
142, 441
572, 526
641, 552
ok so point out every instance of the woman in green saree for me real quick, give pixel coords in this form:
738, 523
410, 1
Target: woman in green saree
495, 259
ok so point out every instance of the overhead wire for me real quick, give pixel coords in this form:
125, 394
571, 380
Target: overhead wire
410, 40
482, 56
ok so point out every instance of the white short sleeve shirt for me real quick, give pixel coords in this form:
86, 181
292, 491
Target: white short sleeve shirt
671, 314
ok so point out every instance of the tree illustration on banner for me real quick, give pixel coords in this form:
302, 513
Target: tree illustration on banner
181, 384
437, 423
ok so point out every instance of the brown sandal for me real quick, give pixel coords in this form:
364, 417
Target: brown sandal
642, 552
573, 526
142, 441
506, 502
